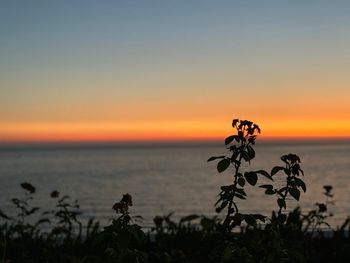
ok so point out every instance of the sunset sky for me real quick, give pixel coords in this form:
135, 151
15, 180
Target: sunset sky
173, 70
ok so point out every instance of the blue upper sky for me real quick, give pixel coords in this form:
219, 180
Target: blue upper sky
63, 60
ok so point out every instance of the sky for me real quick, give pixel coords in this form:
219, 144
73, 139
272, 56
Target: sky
173, 70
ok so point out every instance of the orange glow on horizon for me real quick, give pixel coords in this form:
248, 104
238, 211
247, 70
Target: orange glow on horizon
166, 131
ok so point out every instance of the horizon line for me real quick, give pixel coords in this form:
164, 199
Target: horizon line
176, 140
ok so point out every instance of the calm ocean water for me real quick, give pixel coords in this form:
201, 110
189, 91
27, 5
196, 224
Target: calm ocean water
164, 177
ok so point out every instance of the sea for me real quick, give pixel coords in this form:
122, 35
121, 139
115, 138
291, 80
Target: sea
167, 177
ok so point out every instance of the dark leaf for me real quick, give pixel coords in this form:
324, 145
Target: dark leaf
241, 182
251, 152
301, 184
239, 196
223, 165
295, 193
215, 157
229, 139
251, 178
269, 192
276, 169
27, 186
250, 220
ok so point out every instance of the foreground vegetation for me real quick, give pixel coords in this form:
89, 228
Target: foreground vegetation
58, 235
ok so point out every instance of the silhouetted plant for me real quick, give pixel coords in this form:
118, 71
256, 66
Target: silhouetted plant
21, 224
122, 240
293, 184
66, 214
23, 204
316, 218
241, 149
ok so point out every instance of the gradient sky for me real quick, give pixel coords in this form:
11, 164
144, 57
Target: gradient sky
135, 70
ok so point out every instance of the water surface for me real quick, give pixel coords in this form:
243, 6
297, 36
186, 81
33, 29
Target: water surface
164, 177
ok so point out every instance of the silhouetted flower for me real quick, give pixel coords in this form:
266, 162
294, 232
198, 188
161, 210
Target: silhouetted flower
127, 199
120, 207
290, 158
322, 207
328, 188
27, 186
123, 205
